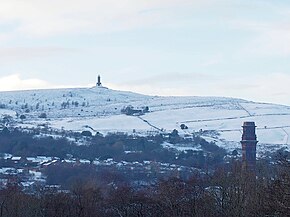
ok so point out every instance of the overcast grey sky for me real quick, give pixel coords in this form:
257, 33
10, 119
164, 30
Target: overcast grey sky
235, 48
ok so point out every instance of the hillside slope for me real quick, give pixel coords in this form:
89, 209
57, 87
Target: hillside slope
98, 109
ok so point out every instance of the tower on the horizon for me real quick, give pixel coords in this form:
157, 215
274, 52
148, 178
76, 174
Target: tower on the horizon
99, 84
249, 143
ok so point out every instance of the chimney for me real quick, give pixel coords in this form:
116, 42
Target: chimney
249, 143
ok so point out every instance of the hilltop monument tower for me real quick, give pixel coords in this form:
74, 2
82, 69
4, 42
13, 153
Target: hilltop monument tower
249, 143
99, 84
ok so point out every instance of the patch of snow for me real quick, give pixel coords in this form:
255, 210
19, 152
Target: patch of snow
99, 109
181, 147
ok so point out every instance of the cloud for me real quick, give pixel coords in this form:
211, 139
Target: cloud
23, 53
14, 82
51, 17
270, 38
167, 79
213, 60
273, 88
4, 37
274, 41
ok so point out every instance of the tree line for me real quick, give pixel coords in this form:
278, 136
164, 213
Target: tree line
221, 194
28, 143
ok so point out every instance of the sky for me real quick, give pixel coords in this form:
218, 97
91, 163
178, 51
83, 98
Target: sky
231, 48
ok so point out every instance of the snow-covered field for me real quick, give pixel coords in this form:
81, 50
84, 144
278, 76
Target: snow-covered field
99, 110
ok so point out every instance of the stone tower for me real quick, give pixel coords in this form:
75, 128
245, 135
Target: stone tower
249, 143
99, 84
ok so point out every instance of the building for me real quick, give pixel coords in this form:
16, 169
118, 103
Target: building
99, 84
249, 143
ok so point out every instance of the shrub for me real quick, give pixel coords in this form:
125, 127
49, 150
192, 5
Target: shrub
86, 133
42, 115
22, 117
183, 127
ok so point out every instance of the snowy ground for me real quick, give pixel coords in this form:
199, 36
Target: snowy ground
99, 110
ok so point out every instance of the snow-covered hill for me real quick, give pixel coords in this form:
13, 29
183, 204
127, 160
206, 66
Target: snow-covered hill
99, 109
